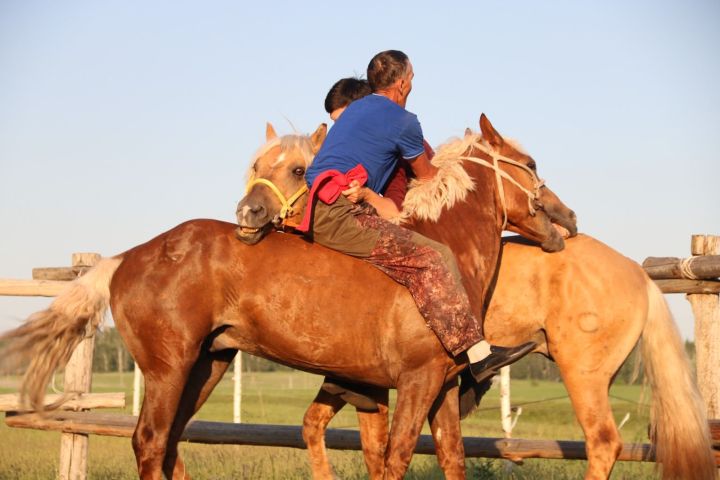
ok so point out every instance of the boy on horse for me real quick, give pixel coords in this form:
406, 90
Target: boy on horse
363, 148
387, 203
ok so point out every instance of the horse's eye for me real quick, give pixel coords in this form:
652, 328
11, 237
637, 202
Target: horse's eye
532, 165
299, 171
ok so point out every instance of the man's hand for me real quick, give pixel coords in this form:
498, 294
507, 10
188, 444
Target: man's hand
355, 193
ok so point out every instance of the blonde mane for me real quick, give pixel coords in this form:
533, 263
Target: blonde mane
425, 200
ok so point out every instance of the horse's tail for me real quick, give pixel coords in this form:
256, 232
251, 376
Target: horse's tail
678, 423
46, 341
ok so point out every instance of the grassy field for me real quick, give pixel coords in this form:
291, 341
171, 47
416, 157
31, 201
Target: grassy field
281, 398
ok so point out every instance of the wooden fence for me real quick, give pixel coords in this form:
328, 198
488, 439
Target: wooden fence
696, 276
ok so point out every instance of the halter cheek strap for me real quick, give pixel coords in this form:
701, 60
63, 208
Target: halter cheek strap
287, 209
502, 174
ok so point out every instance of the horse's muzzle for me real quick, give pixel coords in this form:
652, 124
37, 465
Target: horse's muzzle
253, 222
554, 243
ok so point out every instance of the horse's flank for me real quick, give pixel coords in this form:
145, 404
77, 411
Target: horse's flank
305, 330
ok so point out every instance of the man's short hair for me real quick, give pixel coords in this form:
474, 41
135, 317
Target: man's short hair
344, 92
386, 68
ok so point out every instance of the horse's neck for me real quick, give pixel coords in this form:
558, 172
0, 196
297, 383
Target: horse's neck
471, 230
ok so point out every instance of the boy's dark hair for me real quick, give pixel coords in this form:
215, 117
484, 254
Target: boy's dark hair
344, 92
385, 68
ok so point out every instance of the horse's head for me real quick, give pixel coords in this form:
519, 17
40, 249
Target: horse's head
528, 206
276, 192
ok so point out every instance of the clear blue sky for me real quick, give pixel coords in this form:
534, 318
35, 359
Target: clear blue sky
120, 119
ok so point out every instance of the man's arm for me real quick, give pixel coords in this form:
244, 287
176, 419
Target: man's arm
422, 168
385, 207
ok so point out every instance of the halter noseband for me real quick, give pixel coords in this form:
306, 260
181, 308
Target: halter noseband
287, 203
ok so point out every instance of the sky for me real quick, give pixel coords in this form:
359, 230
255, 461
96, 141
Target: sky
121, 119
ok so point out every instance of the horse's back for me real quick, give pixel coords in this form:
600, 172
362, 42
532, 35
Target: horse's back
283, 298
584, 292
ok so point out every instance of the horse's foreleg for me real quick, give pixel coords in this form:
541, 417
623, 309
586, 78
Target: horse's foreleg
416, 392
374, 434
205, 375
164, 385
444, 420
324, 407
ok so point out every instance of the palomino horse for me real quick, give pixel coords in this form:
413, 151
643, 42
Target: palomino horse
187, 300
586, 306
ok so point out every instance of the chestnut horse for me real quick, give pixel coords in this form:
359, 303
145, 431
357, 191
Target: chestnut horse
187, 300
586, 307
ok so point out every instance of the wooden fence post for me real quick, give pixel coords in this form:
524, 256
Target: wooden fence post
137, 381
78, 378
505, 412
237, 388
707, 331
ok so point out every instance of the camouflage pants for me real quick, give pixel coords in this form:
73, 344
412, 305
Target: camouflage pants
427, 268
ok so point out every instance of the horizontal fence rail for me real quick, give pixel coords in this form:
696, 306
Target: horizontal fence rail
696, 276
199, 431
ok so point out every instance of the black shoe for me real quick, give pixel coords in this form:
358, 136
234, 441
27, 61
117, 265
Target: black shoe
499, 357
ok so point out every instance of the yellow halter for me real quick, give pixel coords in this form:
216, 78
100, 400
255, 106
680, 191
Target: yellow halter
287, 203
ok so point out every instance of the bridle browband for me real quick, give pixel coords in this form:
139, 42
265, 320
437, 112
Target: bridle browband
533, 195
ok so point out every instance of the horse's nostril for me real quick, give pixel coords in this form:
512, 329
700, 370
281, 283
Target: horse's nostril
257, 210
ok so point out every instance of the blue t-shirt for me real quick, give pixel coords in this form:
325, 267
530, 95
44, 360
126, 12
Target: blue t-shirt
373, 131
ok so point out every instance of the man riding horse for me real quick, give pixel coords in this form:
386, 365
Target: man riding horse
363, 147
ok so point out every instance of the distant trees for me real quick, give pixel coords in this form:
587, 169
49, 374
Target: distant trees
112, 356
537, 367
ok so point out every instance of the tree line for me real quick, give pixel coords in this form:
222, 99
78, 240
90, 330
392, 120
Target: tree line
112, 356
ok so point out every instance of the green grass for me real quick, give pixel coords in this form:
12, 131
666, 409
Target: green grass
282, 397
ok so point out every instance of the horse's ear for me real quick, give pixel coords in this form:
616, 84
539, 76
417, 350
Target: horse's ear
270, 132
318, 137
468, 132
489, 133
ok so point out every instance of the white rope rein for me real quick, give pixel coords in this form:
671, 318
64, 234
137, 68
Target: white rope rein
501, 174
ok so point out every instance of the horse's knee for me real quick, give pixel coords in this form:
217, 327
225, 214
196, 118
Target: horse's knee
139, 444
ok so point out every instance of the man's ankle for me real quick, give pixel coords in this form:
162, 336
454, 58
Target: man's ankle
479, 351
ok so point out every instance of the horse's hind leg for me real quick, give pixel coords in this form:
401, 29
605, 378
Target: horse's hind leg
588, 388
603, 444
416, 392
444, 420
324, 407
205, 375
164, 384
373, 430
374, 433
